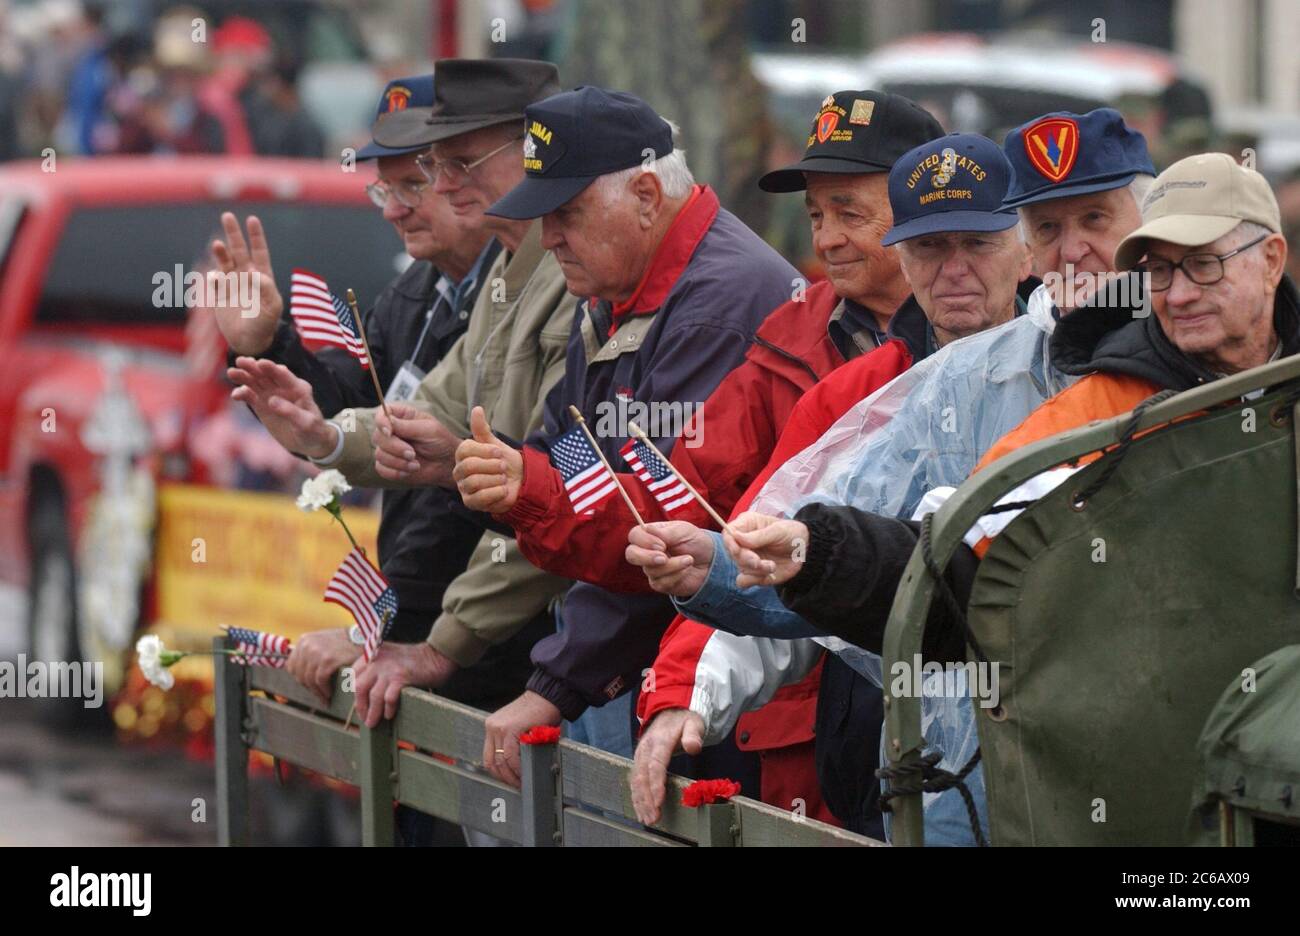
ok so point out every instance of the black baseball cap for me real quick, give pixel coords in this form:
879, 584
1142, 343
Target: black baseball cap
574, 137
954, 183
471, 94
857, 132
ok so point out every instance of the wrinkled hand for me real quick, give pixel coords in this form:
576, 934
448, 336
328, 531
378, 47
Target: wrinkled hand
414, 447
379, 683
488, 472
247, 329
768, 550
317, 656
284, 404
667, 731
674, 555
503, 728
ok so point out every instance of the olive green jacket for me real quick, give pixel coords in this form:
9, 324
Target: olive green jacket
507, 361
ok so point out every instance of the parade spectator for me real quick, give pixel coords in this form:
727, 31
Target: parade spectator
676, 286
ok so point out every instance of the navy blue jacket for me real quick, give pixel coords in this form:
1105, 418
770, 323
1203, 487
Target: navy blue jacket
710, 285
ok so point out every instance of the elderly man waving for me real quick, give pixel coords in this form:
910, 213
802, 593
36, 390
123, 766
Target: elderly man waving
675, 287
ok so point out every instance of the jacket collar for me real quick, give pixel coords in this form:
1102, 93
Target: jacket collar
671, 256
910, 326
521, 264
1115, 339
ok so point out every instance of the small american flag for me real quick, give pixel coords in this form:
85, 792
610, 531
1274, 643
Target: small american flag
586, 479
322, 316
257, 644
655, 474
359, 587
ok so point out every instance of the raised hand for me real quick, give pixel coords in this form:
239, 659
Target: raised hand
247, 329
674, 555
488, 472
768, 550
284, 404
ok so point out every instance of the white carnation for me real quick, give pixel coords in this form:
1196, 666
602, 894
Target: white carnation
321, 490
149, 651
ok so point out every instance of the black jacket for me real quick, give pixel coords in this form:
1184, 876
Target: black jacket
424, 542
855, 560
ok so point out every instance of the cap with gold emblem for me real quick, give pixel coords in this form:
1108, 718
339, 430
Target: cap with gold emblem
857, 132
572, 138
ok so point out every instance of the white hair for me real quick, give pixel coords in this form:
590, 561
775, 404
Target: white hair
1138, 188
1249, 230
675, 177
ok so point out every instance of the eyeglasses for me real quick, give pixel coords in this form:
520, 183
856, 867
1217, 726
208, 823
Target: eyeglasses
408, 194
457, 170
1202, 269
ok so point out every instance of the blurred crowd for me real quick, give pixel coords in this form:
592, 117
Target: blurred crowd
70, 82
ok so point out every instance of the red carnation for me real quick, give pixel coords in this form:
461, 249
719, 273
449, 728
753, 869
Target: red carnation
702, 792
540, 734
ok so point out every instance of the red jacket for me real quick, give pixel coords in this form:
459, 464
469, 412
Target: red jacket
788, 772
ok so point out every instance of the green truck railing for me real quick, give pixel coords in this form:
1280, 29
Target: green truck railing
571, 794
902, 640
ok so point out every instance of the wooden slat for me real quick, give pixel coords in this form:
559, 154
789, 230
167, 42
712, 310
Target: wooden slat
584, 828
435, 724
600, 781
458, 795
762, 825
232, 753
280, 683
305, 739
378, 782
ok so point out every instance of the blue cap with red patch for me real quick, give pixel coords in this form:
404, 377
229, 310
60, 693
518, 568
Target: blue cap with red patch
1063, 154
402, 94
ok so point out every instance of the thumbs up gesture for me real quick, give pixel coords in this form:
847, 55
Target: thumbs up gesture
488, 472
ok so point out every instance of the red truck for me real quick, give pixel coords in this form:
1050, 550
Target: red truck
101, 380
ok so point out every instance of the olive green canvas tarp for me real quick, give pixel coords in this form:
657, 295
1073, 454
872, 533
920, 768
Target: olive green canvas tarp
1250, 747
1116, 626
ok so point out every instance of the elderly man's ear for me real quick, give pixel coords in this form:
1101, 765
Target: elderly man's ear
1274, 258
650, 198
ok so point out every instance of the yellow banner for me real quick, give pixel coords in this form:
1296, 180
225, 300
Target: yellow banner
249, 559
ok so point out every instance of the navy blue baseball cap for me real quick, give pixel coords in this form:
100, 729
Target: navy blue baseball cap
572, 138
414, 95
1064, 154
954, 183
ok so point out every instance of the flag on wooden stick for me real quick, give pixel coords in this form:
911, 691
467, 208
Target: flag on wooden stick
322, 316
358, 586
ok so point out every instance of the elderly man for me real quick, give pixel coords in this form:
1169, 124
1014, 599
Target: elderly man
411, 326
676, 286
928, 427
522, 316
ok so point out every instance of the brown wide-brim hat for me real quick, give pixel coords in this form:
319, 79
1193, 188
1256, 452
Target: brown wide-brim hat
469, 95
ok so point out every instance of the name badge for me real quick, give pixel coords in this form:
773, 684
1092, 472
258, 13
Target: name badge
404, 384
